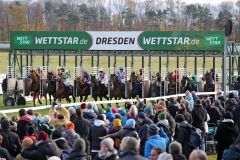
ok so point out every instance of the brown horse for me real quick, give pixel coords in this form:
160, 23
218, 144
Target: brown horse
209, 86
117, 88
82, 89
171, 84
35, 86
62, 92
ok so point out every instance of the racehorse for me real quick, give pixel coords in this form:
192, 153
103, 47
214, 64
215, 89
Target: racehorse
117, 88
35, 87
98, 89
136, 86
186, 84
154, 87
209, 86
51, 85
82, 89
171, 84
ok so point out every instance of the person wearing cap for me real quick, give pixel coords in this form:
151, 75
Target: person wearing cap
61, 118
89, 114
78, 152
121, 74
194, 81
183, 132
107, 152
142, 125
226, 134
172, 106
154, 141
117, 125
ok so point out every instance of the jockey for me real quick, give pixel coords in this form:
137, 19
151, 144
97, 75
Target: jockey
140, 74
102, 77
39, 70
86, 77
64, 74
194, 80
121, 74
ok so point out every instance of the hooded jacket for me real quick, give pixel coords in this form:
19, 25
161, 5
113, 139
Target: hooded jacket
90, 115
59, 122
41, 151
199, 115
70, 136
190, 101
233, 153
22, 125
96, 131
226, 135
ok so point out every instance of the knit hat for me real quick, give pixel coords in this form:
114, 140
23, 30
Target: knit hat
117, 115
153, 129
108, 109
101, 111
26, 142
117, 123
90, 106
70, 126
109, 143
56, 134
75, 106
160, 108
42, 136
5, 124
83, 106
71, 111
141, 115
162, 116
228, 115
148, 110
179, 118
114, 109
46, 119
122, 112
131, 123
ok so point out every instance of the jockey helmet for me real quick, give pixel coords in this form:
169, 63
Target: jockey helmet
194, 76
62, 69
141, 69
39, 68
121, 67
101, 70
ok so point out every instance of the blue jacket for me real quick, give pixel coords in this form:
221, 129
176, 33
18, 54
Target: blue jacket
155, 142
233, 153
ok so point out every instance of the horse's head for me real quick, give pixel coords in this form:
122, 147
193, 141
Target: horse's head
208, 77
94, 79
79, 80
33, 75
169, 76
185, 81
133, 77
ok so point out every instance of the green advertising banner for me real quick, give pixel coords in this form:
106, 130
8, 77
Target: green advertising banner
121, 40
213, 41
50, 40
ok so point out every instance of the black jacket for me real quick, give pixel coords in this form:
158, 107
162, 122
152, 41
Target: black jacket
236, 116
188, 117
179, 157
96, 131
132, 156
82, 127
11, 142
125, 132
41, 151
199, 115
183, 136
5, 154
172, 108
214, 114
226, 135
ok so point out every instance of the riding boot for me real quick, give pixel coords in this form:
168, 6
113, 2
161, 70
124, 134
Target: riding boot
69, 89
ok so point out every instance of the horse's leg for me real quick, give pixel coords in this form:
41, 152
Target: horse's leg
46, 98
81, 98
38, 96
85, 98
34, 96
74, 98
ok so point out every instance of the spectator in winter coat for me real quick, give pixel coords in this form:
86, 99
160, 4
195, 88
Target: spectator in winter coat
123, 113
59, 120
61, 143
198, 155
25, 143
217, 103
149, 112
175, 149
78, 152
30, 133
24, 121
46, 126
70, 135
3, 151
129, 149
231, 103
117, 125
213, 112
226, 134
172, 107
72, 112
233, 153
142, 128
10, 140
107, 151
221, 98
132, 112
90, 115
183, 134
42, 149
96, 131
189, 100
127, 131
182, 110
236, 116
154, 141
199, 115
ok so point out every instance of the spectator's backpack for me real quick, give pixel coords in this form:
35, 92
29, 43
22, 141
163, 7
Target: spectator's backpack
195, 138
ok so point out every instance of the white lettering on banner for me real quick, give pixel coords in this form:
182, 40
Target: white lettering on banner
115, 40
166, 40
59, 40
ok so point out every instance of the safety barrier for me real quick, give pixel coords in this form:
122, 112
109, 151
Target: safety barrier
109, 102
